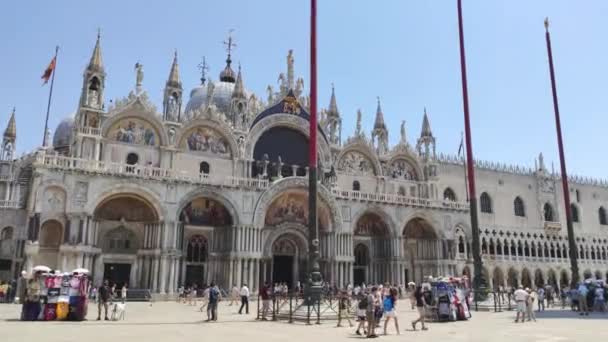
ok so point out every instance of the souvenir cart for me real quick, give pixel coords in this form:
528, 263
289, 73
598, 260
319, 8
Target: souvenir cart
448, 299
52, 295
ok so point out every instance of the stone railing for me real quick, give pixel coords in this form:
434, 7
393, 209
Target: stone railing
5, 177
54, 161
398, 200
9, 204
90, 131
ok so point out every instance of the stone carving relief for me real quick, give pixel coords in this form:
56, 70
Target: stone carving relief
80, 192
356, 163
54, 200
283, 246
134, 131
292, 206
401, 169
205, 139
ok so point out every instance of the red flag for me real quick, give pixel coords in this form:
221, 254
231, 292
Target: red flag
49, 71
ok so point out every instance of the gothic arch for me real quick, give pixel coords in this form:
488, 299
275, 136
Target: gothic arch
289, 121
211, 194
51, 234
365, 150
129, 189
221, 128
295, 183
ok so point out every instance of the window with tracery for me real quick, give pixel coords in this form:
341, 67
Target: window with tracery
449, 195
518, 207
197, 249
485, 203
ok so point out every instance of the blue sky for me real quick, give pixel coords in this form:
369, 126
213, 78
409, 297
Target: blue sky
406, 52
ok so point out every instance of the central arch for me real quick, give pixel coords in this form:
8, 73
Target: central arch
285, 252
126, 223
423, 249
372, 239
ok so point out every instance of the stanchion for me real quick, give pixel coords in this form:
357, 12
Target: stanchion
274, 308
308, 314
258, 314
319, 311
291, 308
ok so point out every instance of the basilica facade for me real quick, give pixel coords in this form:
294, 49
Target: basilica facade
216, 190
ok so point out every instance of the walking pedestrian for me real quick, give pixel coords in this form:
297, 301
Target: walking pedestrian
390, 309
541, 299
265, 297
343, 306
370, 313
123, 293
583, 308
530, 305
521, 296
361, 313
421, 305
244, 299
234, 295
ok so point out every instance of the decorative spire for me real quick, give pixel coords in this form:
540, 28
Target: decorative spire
96, 62
174, 74
227, 75
203, 67
333, 105
358, 131
379, 123
11, 128
426, 126
290, 73
403, 137
239, 88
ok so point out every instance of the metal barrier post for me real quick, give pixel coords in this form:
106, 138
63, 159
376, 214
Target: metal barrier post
291, 308
258, 310
339, 313
308, 314
274, 308
319, 311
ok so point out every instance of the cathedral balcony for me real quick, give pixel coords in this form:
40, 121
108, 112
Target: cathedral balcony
399, 200
9, 204
90, 131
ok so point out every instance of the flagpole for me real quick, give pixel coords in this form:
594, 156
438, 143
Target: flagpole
464, 166
562, 159
478, 281
315, 278
48, 107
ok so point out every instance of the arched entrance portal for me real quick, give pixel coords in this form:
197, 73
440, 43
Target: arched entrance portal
424, 251
372, 243
361, 263
498, 278
513, 279
50, 238
288, 260
125, 223
526, 279
202, 221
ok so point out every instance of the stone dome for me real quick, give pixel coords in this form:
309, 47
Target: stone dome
222, 95
63, 133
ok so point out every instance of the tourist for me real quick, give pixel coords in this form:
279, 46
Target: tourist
521, 296
214, 298
104, 297
541, 299
370, 313
180, 293
599, 304
564, 297
390, 309
361, 313
343, 306
530, 304
420, 306
123, 293
264, 294
244, 299
234, 295
411, 290
205, 300
583, 308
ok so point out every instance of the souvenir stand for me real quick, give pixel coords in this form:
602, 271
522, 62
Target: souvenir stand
52, 295
449, 300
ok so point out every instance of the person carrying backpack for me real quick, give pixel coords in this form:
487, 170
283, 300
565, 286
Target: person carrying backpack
214, 298
361, 307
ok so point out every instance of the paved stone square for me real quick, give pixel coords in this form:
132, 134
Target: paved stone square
168, 322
